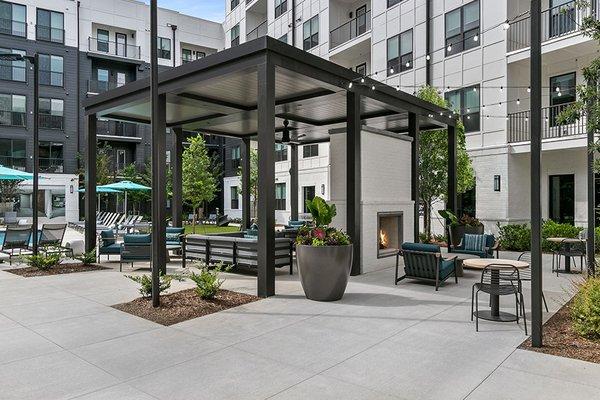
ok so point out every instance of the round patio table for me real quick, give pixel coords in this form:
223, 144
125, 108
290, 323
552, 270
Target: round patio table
494, 314
568, 242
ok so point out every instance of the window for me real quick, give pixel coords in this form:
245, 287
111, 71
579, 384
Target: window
121, 44
121, 79
51, 157
361, 20
280, 152
50, 26
283, 38
310, 150
234, 3
308, 193
102, 76
400, 53
310, 33
51, 70
280, 7
164, 48
280, 196
391, 3
562, 198
13, 111
13, 153
186, 56
235, 198
562, 92
13, 19
121, 159
235, 157
52, 113
462, 28
235, 35
362, 69
465, 102
102, 40
13, 70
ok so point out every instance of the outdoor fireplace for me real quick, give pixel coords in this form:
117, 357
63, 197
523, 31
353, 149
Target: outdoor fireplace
389, 233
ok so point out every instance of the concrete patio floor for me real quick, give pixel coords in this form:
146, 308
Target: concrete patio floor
60, 339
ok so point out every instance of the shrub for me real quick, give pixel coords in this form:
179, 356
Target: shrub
585, 309
145, 282
87, 258
515, 237
554, 229
207, 281
42, 261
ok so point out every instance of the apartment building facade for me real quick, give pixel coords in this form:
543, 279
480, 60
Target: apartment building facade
476, 53
85, 48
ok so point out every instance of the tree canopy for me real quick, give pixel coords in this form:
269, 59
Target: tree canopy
200, 173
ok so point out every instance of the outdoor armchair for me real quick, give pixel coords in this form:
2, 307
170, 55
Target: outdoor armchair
107, 244
51, 238
490, 246
135, 247
425, 262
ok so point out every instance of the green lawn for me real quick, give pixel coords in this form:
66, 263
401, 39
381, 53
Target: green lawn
210, 229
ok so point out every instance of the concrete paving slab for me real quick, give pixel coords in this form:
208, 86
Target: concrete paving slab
52, 310
21, 343
118, 392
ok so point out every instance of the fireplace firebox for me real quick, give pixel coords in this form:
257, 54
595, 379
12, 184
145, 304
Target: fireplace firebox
389, 233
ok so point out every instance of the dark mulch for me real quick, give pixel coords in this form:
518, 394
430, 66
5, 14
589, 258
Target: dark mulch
561, 340
29, 272
183, 305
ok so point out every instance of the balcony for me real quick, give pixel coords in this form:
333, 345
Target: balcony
49, 121
259, 31
116, 128
557, 21
518, 125
12, 27
96, 86
51, 165
49, 34
13, 118
350, 30
113, 48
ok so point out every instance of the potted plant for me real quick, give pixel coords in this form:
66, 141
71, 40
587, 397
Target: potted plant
459, 226
324, 254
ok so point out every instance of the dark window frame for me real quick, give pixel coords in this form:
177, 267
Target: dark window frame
234, 4
280, 202
398, 64
102, 45
8, 160
281, 153
471, 117
47, 120
463, 40
236, 157
358, 69
235, 41
117, 44
235, 200
48, 164
310, 150
50, 72
163, 53
558, 100
280, 8
312, 40
10, 66
11, 31
51, 30
392, 3
16, 118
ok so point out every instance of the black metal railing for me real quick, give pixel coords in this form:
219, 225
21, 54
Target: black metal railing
351, 29
49, 34
17, 163
49, 121
518, 125
96, 45
51, 165
13, 118
556, 22
14, 28
116, 128
259, 31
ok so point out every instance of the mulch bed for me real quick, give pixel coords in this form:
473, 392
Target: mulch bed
183, 305
561, 340
29, 272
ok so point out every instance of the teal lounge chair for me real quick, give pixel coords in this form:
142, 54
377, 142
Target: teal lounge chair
425, 262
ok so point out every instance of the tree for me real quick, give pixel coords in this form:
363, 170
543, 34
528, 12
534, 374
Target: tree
253, 178
200, 175
433, 162
9, 190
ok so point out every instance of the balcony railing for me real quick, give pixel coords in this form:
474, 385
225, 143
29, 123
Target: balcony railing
259, 31
49, 34
96, 86
13, 118
49, 121
351, 29
116, 128
51, 165
96, 45
556, 22
518, 125
14, 28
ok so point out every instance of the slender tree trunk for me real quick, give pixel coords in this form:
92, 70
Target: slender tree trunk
427, 219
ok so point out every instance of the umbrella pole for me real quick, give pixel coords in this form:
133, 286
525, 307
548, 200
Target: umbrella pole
125, 205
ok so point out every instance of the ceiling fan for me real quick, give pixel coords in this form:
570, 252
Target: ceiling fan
287, 136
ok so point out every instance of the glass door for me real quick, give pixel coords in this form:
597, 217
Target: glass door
308, 193
562, 198
121, 45
361, 20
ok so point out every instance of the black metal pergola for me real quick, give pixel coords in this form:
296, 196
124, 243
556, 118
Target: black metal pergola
247, 92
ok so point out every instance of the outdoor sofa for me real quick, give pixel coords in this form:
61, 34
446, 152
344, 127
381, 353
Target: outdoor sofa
482, 246
425, 262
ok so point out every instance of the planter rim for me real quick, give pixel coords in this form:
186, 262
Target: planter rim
339, 245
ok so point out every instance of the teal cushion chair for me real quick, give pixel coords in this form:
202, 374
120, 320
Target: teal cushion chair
470, 244
107, 244
135, 247
425, 262
174, 237
251, 234
293, 224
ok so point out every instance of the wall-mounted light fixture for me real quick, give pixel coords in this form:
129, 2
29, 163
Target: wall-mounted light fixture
323, 189
496, 183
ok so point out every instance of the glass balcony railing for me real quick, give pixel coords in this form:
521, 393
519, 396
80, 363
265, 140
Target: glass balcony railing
125, 50
259, 31
116, 128
350, 30
518, 125
49, 121
13, 118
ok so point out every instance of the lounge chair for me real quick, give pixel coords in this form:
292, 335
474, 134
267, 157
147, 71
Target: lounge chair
107, 244
16, 237
51, 238
425, 262
135, 247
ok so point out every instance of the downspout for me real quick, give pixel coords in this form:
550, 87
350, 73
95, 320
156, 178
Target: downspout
174, 28
294, 23
78, 96
428, 78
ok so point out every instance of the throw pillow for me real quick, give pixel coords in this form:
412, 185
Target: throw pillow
474, 242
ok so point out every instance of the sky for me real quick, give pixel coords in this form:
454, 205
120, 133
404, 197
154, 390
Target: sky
213, 10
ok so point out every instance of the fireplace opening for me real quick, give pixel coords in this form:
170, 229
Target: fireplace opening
389, 233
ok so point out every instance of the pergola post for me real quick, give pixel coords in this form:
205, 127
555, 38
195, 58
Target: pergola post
266, 179
159, 210
591, 193
90, 184
246, 207
177, 163
535, 128
294, 181
353, 175
414, 132
452, 182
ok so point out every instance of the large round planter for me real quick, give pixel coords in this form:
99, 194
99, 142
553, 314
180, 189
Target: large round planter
324, 270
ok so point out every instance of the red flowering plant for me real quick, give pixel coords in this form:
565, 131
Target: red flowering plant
321, 234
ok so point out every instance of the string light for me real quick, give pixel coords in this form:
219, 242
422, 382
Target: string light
362, 80
518, 101
428, 57
350, 85
392, 70
501, 89
408, 64
506, 25
449, 48
373, 87
398, 88
528, 89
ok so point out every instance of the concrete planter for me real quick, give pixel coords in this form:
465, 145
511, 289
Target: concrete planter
324, 270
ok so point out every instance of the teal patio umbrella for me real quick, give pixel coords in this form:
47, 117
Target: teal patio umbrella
100, 190
9, 174
125, 186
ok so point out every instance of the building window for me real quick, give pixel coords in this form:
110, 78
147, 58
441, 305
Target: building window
310, 150
102, 40
308, 193
164, 48
400, 52
562, 93
234, 3
562, 198
13, 153
51, 157
465, 102
186, 56
13, 111
52, 113
310, 33
236, 156
50, 26
462, 28
51, 70
283, 38
280, 7
235, 198
391, 3
235, 35
362, 69
121, 44
13, 70
280, 152
13, 19
280, 196
121, 159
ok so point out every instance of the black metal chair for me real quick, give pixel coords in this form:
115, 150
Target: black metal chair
16, 237
51, 237
525, 274
498, 280
569, 249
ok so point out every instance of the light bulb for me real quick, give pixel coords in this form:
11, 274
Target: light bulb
557, 89
362, 80
501, 89
373, 87
528, 89
350, 85
468, 109
506, 25
518, 101
559, 94
428, 57
449, 48
391, 70
475, 38
398, 88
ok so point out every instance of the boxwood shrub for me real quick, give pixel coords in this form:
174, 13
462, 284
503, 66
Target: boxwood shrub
517, 237
585, 309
